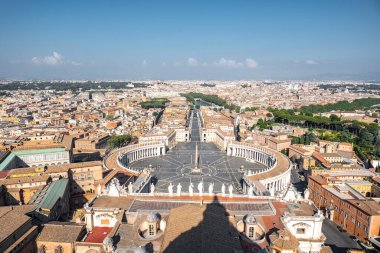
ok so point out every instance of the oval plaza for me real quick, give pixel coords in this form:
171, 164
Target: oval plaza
194, 152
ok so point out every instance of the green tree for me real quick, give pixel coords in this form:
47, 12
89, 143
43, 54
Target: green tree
334, 117
365, 138
117, 141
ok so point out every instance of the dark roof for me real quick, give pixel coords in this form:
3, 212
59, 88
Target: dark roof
200, 228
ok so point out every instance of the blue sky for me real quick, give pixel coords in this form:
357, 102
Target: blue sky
189, 39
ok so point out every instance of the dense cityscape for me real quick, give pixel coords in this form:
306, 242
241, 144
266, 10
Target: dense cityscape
289, 168
189, 126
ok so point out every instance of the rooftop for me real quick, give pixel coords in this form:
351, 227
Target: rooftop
64, 232
200, 228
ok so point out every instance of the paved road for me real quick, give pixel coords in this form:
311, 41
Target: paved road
195, 131
339, 242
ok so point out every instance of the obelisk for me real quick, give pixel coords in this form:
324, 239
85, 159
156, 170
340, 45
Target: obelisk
196, 166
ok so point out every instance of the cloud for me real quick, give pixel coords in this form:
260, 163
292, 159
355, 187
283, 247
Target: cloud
53, 60
231, 63
310, 62
192, 62
163, 64
223, 62
251, 63
144, 63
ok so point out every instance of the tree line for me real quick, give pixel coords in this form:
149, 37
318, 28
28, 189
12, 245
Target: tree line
357, 104
210, 98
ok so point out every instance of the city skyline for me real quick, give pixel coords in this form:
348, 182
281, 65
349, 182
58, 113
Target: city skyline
171, 40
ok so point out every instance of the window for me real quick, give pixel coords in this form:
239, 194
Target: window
358, 224
151, 230
353, 220
300, 231
251, 232
346, 216
59, 249
365, 228
42, 249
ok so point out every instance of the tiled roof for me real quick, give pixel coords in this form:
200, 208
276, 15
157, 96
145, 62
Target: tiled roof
370, 207
64, 232
283, 239
21, 180
66, 167
11, 218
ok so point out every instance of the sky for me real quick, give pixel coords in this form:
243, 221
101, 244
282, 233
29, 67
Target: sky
208, 40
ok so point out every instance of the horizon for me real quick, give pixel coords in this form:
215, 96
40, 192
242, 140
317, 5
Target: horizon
274, 40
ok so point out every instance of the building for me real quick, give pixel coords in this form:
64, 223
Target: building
59, 237
345, 203
36, 157
52, 202
279, 143
17, 232
92, 142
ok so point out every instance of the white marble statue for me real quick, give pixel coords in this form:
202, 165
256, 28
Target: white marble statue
272, 191
250, 172
250, 191
170, 189
306, 194
191, 189
230, 189
223, 190
210, 189
200, 188
179, 188
130, 188
152, 188
99, 189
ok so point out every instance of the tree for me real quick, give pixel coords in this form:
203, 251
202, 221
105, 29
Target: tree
334, 117
117, 141
365, 138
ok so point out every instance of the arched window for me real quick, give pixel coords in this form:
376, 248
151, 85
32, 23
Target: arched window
58, 249
251, 232
42, 249
151, 230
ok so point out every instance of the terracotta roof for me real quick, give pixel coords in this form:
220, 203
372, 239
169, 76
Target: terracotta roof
321, 159
66, 167
98, 234
284, 239
64, 232
376, 179
113, 202
200, 228
22, 171
319, 179
21, 180
370, 207
12, 218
